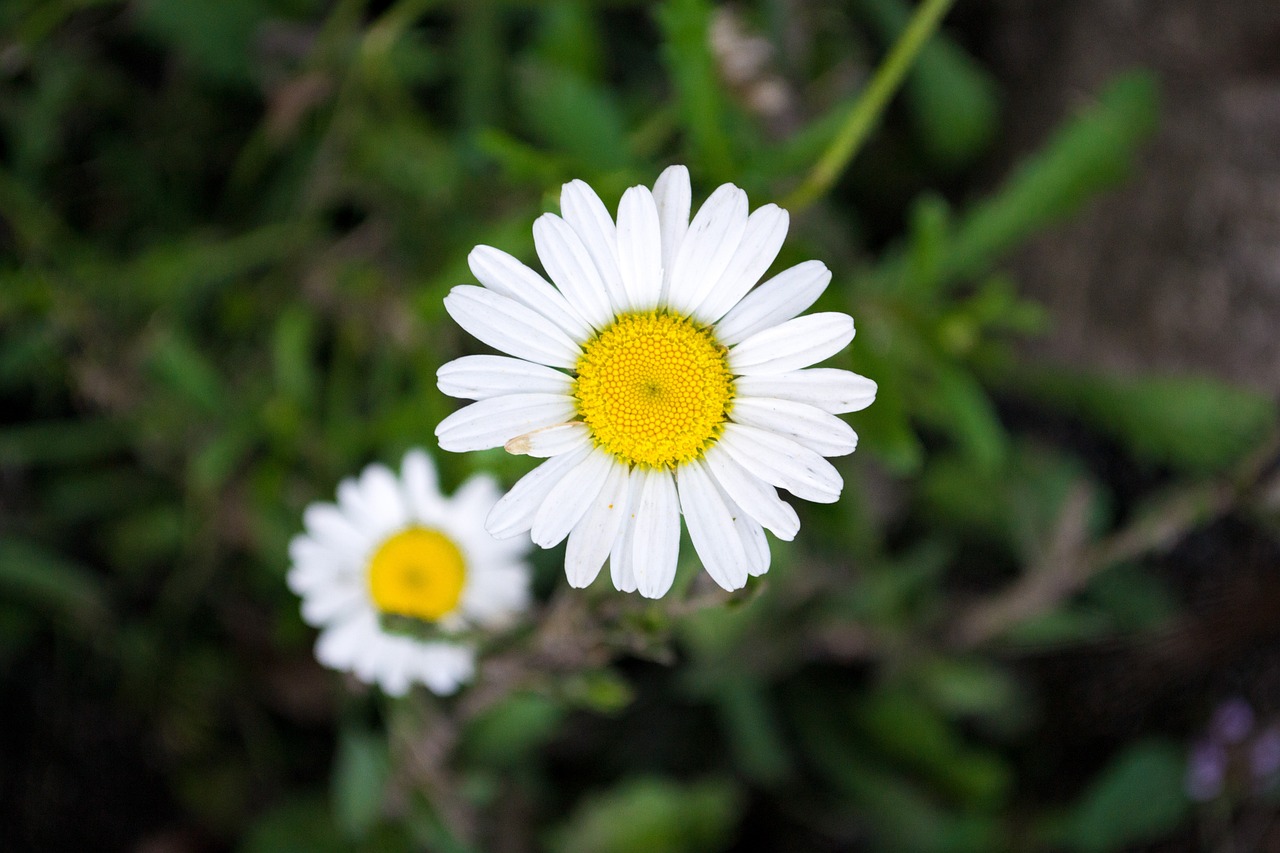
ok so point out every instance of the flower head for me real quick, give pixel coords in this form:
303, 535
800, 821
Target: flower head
656, 381
396, 552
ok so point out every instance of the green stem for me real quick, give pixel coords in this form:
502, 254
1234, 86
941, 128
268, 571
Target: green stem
864, 114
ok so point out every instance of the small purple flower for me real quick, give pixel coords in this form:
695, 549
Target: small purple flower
1264, 755
1206, 771
1232, 722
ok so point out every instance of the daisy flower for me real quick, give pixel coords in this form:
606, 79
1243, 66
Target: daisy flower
398, 552
656, 381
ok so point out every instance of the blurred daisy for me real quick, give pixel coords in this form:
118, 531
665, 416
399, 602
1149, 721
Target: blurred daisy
396, 552
657, 380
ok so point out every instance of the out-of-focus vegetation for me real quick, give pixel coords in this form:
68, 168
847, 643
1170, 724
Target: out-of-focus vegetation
226, 227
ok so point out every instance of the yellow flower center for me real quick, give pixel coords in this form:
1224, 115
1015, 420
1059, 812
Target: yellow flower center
654, 388
418, 573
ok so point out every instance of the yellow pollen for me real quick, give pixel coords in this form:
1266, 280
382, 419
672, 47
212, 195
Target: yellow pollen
417, 573
654, 388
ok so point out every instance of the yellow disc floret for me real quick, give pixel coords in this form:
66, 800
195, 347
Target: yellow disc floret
654, 388
418, 573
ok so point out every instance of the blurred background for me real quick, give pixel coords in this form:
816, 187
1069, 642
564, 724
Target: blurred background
1042, 617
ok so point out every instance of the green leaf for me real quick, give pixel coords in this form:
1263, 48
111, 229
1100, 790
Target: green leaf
703, 107
1137, 798
510, 731
574, 116
1196, 425
51, 583
303, 825
177, 364
360, 772
652, 816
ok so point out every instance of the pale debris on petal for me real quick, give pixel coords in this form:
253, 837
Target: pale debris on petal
550, 441
497, 420
514, 514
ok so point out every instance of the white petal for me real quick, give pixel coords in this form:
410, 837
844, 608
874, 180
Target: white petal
339, 645
714, 235
593, 537
332, 603
777, 300
766, 230
783, 463
639, 249
672, 196
586, 213
822, 433
443, 667
569, 499
382, 493
511, 327
712, 527
832, 390
494, 422
331, 528
420, 486
505, 275
570, 266
393, 676
657, 533
758, 554
757, 498
551, 441
622, 557
515, 512
477, 377
794, 344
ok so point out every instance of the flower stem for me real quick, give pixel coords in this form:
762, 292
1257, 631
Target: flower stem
865, 112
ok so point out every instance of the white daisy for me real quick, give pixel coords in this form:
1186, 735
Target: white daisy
397, 550
657, 381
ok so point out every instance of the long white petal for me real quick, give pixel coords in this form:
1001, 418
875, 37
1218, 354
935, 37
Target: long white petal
657, 534
640, 249
830, 389
570, 266
714, 235
673, 196
506, 275
757, 497
494, 422
777, 300
753, 538
622, 557
712, 527
570, 499
551, 441
593, 537
589, 218
511, 327
477, 377
782, 462
794, 344
420, 486
329, 526
766, 230
514, 513
822, 433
